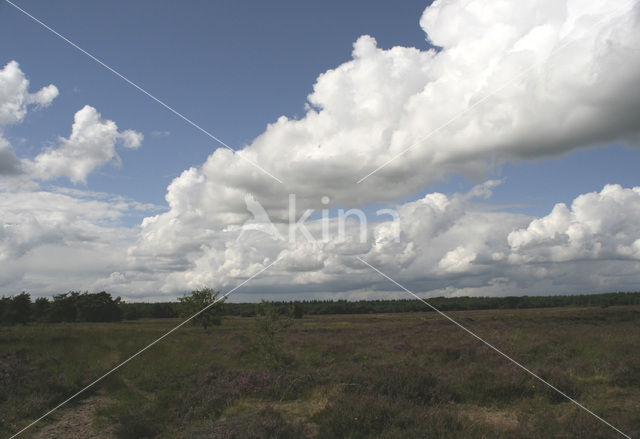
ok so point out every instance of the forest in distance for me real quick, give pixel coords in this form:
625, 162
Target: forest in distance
76, 306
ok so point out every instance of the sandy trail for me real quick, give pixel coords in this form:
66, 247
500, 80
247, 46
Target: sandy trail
77, 422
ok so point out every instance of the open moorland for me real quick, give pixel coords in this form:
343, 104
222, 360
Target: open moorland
326, 376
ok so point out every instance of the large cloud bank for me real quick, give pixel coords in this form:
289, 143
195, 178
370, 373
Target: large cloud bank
511, 81
448, 244
507, 81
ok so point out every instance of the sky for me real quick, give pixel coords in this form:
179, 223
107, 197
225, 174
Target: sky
502, 139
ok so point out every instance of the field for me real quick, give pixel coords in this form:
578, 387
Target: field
384, 375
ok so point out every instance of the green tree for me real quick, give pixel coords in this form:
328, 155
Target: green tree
199, 300
163, 310
64, 307
98, 307
17, 309
41, 308
4, 305
269, 323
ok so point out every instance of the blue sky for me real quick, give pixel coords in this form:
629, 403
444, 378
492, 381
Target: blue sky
235, 67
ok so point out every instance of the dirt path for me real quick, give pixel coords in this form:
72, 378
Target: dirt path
77, 422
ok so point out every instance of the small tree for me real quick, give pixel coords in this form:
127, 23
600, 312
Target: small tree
198, 300
296, 311
269, 324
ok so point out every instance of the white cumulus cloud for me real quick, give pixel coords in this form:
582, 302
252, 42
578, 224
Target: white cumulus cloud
602, 225
512, 81
15, 100
92, 143
15, 97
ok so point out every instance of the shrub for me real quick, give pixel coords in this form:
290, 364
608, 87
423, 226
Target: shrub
296, 310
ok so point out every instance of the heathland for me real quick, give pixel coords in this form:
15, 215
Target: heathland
393, 375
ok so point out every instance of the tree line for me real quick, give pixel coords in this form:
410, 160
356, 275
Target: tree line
318, 307
73, 306
102, 307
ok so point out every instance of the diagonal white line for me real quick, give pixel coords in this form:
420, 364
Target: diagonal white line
492, 347
142, 350
485, 97
115, 72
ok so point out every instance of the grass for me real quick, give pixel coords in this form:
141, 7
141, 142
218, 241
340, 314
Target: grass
352, 376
